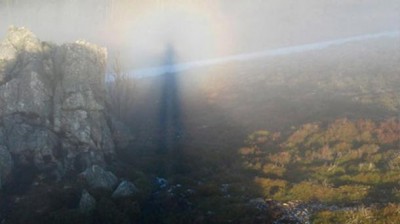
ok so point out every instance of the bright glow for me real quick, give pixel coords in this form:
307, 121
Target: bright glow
195, 31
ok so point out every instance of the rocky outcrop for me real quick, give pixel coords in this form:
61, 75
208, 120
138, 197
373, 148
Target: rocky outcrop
52, 104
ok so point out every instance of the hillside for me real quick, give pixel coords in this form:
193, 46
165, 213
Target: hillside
315, 130
301, 138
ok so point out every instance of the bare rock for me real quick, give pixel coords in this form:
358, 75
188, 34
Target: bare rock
125, 189
87, 202
98, 178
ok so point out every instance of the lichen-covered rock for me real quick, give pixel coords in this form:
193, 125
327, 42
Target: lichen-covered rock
52, 103
125, 189
23, 40
98, 178
8, 59
19, 43
25, 77
87, 202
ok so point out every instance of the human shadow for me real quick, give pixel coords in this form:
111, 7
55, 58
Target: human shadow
169, 118
169, 125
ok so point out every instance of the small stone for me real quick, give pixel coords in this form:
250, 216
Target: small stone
162, 183
259, 203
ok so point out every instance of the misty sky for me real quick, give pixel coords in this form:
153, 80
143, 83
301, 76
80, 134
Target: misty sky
198, 30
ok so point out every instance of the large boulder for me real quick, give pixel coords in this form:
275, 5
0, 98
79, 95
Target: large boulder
87, 203
98, 178
125, 189
52, 103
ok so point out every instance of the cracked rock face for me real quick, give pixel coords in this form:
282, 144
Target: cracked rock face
52, 104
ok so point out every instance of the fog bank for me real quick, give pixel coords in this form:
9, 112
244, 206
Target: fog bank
198, 30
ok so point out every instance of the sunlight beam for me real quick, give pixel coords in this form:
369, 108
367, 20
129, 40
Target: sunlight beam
160, 70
